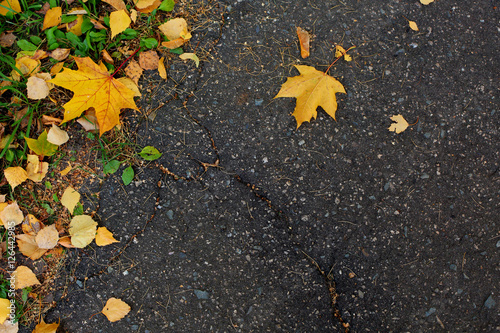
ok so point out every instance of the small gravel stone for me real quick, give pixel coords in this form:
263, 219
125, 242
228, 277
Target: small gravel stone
201, 294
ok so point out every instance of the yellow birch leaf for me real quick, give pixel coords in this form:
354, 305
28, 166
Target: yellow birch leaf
94, 87
161, 68
118, 22
399, 125
37, 88
70, 199
82, 229
133, 15
15, 176
11, 215
115, 309
47, 238
9, 5
312, 88
9, 327
4, 309
52, 18
175, 28
104, 237
413, 25
28, 246
57, 136
26, 66
43, 327
35, 169
24, 277
127, 82
192, 56
426, 2
75, 26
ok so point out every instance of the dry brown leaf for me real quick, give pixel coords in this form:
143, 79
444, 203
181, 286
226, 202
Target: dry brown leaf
89, 123
149, 60
161, 69
98, 25
43, 327
7, 39
312, 88
115, 309
24, 277
400, 124
104, 237
304, 39
70, 199
134, 71
28, 246
57, 136
82, 229
52, 18
15, 176
47, 238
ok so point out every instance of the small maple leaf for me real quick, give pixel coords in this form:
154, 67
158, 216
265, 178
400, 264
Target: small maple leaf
400, 124
94, 87
312, 88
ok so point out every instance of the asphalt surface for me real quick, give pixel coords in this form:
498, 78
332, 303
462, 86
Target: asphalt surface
246, 224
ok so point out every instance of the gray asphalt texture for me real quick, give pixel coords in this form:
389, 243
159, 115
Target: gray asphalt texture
404, 226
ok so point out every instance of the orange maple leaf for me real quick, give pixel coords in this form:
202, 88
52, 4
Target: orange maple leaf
94, 87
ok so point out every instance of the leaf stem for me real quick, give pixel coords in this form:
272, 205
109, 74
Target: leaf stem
123, 63
414, 122
339, 58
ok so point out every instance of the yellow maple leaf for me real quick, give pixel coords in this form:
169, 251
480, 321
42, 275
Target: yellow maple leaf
400, 124
43, 327
312, 88
94, 87
115, 309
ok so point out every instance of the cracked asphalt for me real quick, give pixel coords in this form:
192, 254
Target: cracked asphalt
246, 224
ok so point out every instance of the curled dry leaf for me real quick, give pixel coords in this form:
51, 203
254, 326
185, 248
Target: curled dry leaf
149, 60
43, 327
304, 39
28, 246
66, 242
48, 120
104, 237
39, 55
115, 309
161, 68
70, 199
24, 277
60, 54
173, 44
134, 71
400, 124
47, 238
52, 18
15, 176
82, 229
107, 58
191, 56
36, 170
57, 136
118, 22
98, 25
147, 6
31, 225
